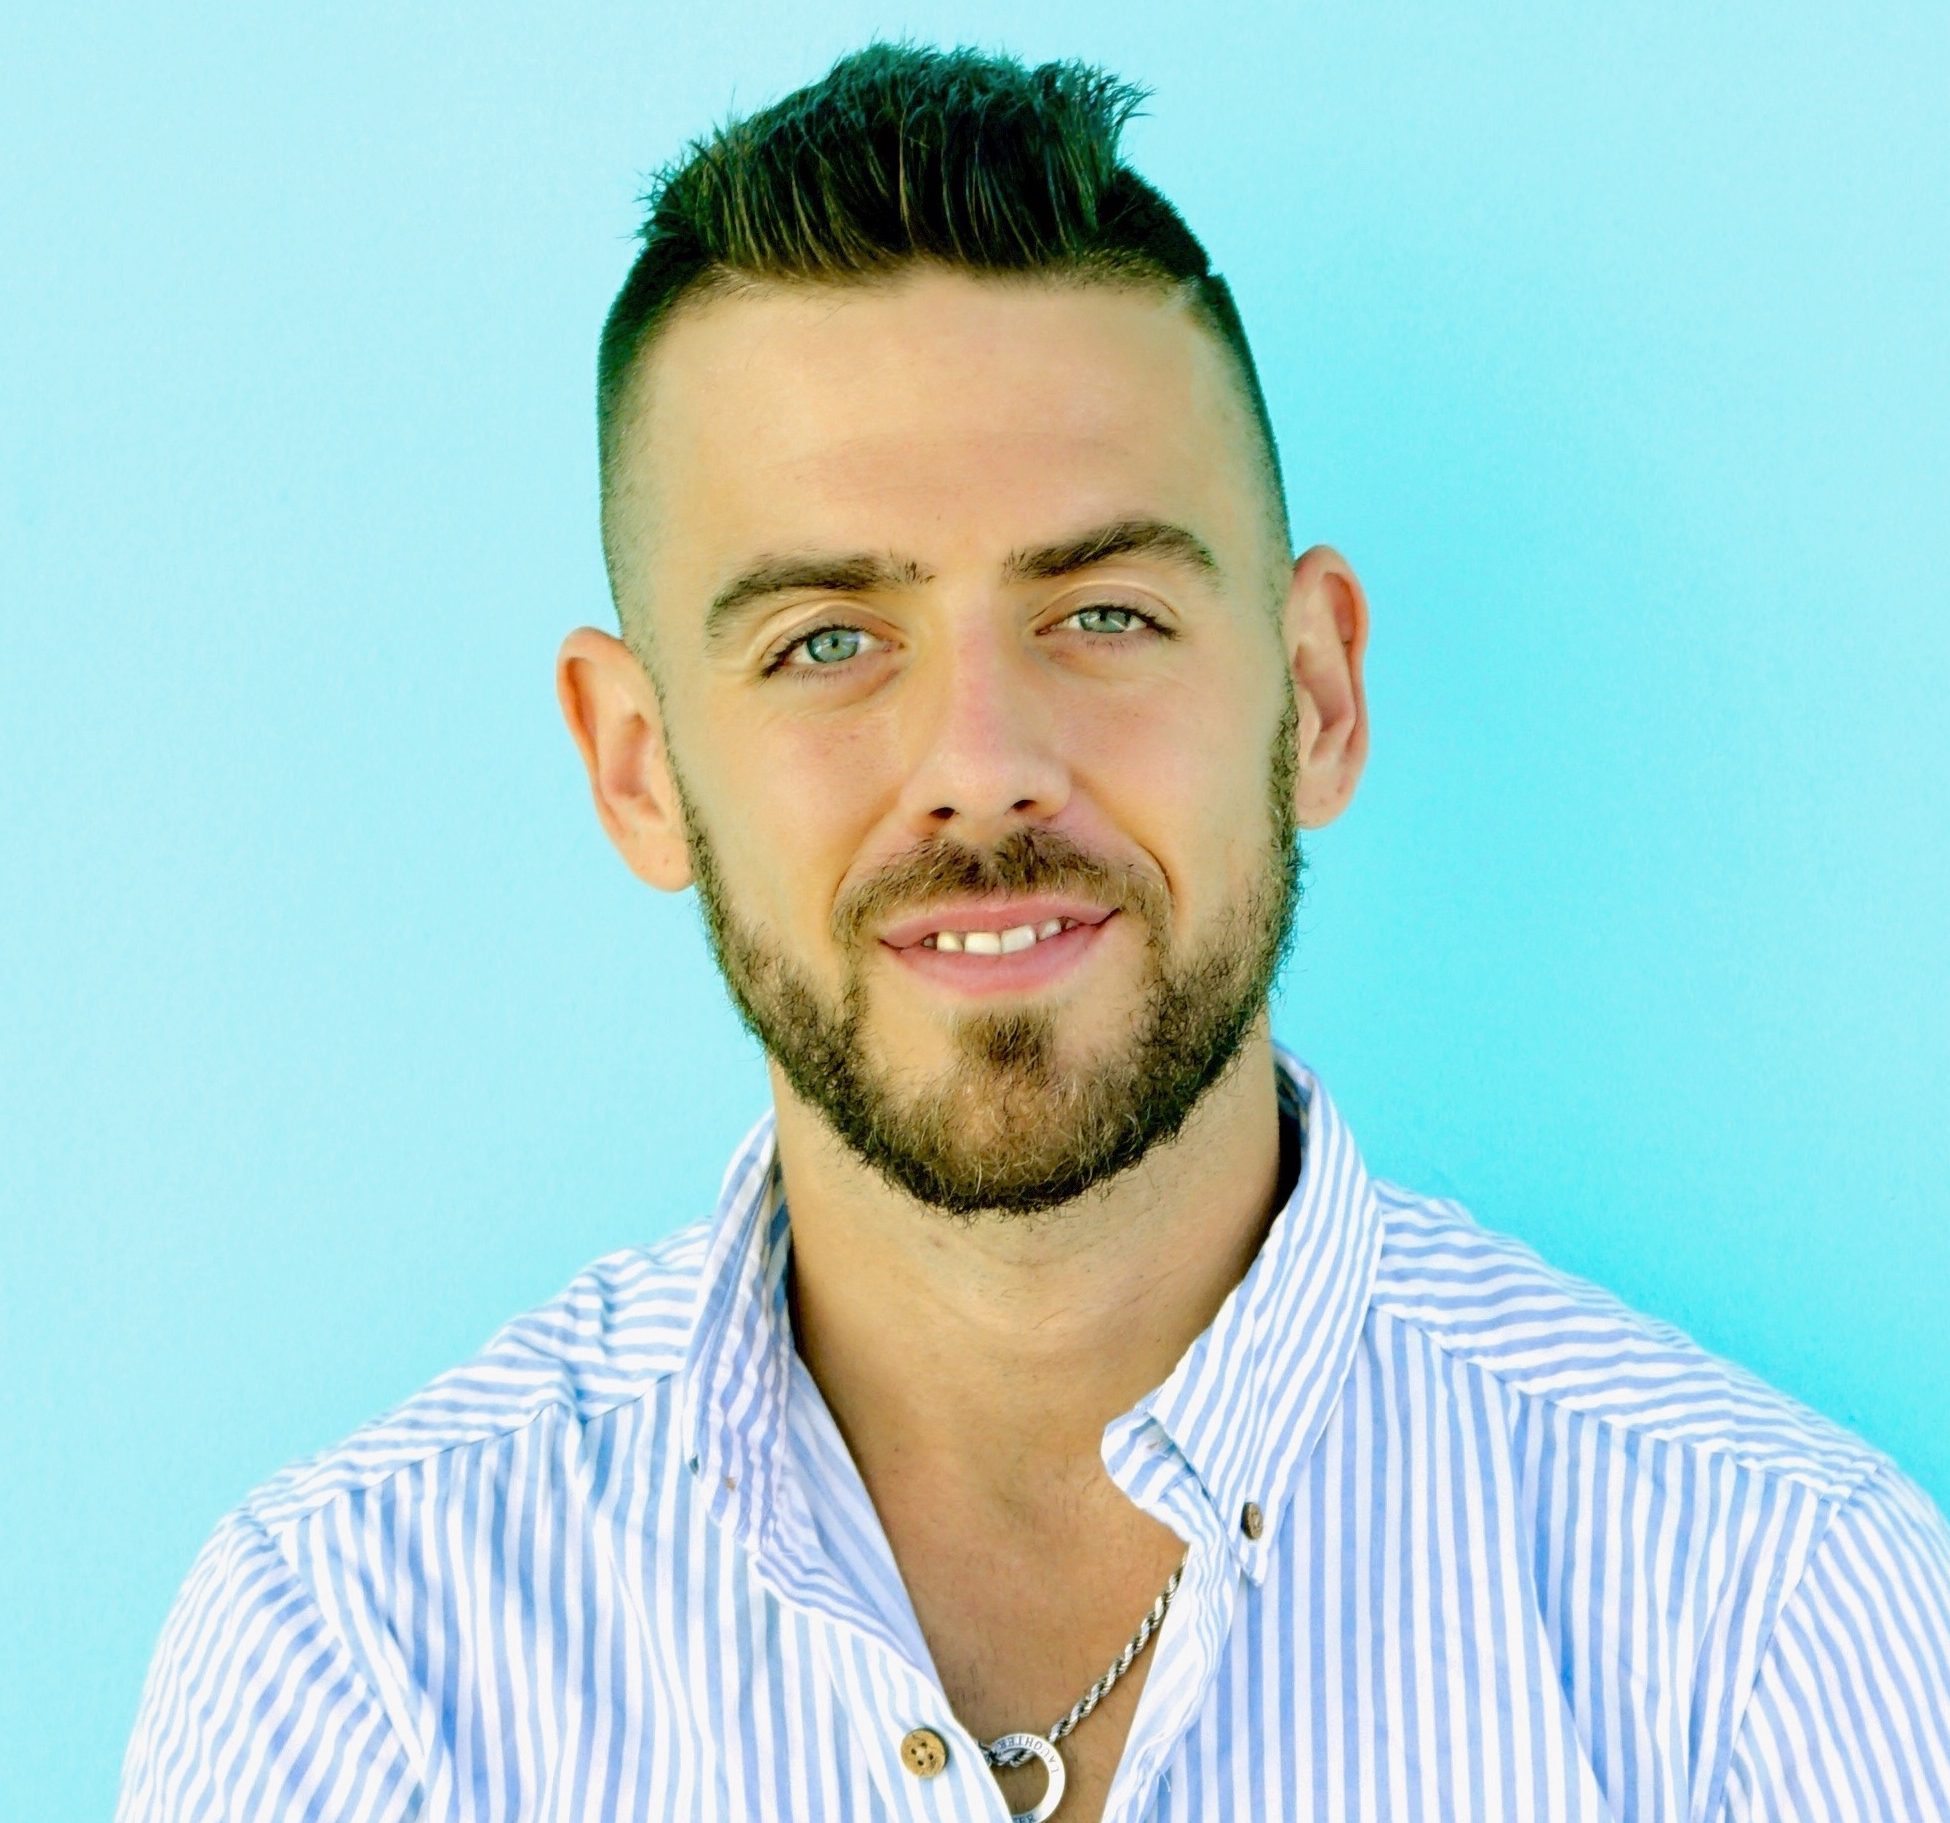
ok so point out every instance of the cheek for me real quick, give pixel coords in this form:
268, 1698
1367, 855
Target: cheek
782, 767
808, 794
819, 772
1162, 774
1192, 776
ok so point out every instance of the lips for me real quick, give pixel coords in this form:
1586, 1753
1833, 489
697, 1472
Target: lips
992, 915
1043, 966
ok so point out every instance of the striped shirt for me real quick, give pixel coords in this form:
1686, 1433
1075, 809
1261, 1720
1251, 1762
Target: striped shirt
1524, 1555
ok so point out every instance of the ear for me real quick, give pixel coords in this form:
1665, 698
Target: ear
618, 728
1325, 631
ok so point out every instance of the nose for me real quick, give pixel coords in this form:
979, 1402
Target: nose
983, 737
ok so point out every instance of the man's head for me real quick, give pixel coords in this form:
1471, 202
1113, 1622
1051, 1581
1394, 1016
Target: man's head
945, 531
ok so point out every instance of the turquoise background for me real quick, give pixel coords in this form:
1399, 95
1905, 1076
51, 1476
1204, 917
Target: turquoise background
1608, 344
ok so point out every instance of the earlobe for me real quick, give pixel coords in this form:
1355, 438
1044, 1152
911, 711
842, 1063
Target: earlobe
1326, 637
617, 725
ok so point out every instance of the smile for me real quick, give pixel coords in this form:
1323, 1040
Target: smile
1017, 960
998, 942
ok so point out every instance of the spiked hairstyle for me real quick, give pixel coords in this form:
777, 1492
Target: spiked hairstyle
902, 156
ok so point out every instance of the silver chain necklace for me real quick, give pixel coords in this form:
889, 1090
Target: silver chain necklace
1017, 1749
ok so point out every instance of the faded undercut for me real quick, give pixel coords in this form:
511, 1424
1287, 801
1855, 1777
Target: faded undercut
903, 156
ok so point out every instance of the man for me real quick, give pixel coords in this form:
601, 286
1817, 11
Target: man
1051, 1372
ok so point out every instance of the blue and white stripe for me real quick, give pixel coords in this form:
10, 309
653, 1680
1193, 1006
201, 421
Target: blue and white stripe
1526, 1555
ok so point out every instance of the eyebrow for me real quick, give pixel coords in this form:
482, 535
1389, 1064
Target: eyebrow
858, 572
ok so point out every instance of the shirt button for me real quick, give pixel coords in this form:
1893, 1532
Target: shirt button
1252, 1522
923, 1752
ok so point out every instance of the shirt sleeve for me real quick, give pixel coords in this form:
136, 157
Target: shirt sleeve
255, 1708
1850, 1716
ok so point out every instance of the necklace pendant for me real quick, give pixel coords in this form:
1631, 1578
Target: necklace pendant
1052, 1764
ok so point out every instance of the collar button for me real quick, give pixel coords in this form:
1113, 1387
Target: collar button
1252, 1521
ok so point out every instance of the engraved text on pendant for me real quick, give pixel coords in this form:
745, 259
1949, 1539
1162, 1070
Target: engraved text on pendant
1052, 1764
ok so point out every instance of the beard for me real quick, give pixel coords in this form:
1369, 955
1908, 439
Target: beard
1009, 1128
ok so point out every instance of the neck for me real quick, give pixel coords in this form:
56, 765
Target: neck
985, 1359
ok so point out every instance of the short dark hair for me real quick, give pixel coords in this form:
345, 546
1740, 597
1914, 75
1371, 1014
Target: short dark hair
902, 156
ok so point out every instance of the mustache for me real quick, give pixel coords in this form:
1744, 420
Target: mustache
1027, 860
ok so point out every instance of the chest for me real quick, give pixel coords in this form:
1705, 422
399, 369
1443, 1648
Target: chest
1021, 1632
1352, 1681
1388, 1661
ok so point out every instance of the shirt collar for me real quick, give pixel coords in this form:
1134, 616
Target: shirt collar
1244, 1407
1249, 1398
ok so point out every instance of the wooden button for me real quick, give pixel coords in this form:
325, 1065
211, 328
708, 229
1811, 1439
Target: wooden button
923, 1752
1252, 1522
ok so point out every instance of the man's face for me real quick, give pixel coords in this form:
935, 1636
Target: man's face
1104, 754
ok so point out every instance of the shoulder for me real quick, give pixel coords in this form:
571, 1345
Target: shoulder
613, 1335
1490, 1302
269, 1642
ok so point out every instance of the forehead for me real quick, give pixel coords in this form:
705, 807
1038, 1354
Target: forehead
950, 416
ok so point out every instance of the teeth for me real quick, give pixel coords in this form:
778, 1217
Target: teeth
996, 942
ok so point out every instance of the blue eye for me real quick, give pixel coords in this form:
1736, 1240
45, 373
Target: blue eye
825, 646
829, 648
1109, 607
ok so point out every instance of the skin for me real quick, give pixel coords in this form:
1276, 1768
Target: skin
972, 1355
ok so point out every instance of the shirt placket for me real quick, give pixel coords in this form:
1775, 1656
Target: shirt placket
920, 1760
1190, 1643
